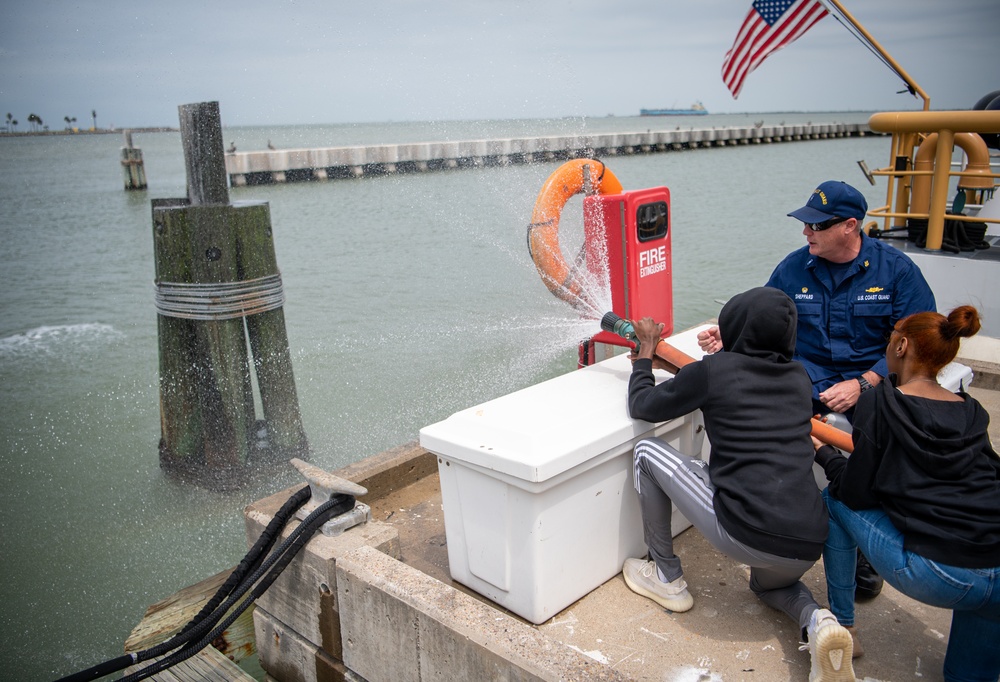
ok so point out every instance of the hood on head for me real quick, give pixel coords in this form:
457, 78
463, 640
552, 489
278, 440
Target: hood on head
760, 323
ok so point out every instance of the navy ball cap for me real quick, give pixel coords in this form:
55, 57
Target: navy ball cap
832, 198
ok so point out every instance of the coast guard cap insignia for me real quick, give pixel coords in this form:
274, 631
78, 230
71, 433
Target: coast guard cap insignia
805, 290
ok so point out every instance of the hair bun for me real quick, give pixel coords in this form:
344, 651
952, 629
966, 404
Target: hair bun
962, 321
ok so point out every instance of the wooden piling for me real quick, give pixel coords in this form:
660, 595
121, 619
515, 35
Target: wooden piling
218, 286
204, 158
132, 168
204, 364
268, 336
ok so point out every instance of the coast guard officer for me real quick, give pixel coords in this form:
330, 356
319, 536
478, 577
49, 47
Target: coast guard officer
849, 291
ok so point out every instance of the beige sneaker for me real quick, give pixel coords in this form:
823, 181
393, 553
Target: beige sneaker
642, 578
830, 647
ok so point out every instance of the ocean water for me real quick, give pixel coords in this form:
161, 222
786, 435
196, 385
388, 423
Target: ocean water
408, 298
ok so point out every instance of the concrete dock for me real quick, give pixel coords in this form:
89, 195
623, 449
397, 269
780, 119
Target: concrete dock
297, 165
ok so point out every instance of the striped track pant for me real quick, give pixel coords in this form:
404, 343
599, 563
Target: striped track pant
663, 475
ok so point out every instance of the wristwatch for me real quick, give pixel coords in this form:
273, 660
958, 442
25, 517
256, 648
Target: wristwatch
864, 384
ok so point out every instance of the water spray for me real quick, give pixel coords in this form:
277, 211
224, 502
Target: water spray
623, 328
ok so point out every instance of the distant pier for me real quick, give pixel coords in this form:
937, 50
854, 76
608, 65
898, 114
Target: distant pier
328, 163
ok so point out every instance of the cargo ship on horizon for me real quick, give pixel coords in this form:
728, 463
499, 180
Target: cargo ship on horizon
697, 109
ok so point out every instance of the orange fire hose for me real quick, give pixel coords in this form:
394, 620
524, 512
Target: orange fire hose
822, 431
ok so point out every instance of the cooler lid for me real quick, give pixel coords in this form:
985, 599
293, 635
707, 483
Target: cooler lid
543, 430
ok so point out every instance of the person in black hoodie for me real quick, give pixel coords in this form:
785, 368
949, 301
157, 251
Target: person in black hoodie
920, 494
756, 498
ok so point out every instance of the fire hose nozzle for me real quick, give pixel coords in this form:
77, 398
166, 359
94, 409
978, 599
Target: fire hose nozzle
623, 328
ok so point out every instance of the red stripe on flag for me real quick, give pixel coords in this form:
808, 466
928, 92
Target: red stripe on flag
736, 64
755, 40
752, 23
778, 39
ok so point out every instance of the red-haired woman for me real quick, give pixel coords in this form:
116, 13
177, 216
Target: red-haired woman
920, 495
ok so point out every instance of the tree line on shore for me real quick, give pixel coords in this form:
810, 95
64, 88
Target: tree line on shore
38, 125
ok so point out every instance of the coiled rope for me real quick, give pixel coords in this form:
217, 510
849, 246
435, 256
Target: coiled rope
219, 300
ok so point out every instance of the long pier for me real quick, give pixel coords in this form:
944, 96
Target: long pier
328, 163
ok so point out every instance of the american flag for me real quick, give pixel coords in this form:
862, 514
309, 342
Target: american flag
769, 26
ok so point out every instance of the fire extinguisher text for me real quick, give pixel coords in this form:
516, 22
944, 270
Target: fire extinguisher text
652, 261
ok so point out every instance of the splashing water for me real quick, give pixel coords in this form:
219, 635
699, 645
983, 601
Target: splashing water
51, 339
587, 288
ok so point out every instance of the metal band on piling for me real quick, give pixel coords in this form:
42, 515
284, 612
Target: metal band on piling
219, 301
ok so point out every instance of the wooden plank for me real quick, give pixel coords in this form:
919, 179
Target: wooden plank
166, 617
208, 665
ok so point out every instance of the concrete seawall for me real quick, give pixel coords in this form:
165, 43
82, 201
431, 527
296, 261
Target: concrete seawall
296, 165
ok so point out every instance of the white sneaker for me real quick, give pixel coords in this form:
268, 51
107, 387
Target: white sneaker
830, 647
642, 578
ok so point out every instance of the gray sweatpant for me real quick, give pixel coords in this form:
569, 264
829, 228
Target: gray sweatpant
661, 475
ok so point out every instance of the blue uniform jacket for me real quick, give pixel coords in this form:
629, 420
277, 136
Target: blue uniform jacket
843, 331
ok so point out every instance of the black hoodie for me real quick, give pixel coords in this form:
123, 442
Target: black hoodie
929, 464
757, 404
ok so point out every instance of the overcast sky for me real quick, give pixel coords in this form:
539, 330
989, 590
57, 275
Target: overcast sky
333, 61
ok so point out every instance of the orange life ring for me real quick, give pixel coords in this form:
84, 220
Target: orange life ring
543, 233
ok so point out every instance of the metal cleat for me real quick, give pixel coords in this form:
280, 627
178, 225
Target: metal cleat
325, 485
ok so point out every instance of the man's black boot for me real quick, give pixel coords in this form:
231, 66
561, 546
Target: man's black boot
869, 582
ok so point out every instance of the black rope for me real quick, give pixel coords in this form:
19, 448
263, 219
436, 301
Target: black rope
264, 576
235, 586
101, 669
247, 565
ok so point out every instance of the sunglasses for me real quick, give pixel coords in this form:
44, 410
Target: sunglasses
825, 225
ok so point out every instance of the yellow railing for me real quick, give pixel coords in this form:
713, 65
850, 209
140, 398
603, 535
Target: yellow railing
919, 187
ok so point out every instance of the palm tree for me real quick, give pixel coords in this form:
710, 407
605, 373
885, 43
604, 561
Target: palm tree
93, 115
33, 121
9, 119
13, 124
66, 118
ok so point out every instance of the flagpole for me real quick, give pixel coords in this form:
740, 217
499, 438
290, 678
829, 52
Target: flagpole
885, 55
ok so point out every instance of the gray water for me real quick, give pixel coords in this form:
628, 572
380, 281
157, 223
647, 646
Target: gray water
408, 298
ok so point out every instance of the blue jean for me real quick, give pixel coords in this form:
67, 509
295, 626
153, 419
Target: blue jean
973, 594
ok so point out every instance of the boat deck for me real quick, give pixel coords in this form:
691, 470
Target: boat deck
728, 635
989, 255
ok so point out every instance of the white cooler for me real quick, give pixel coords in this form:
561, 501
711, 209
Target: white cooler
537, 489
